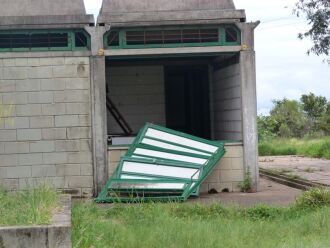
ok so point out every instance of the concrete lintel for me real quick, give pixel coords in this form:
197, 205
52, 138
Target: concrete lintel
61, 20
172, 51
171, 17
249, 113
171, 23
34, 27
44, 54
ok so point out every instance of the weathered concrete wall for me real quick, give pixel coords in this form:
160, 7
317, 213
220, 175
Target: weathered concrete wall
161, 5
227, 103
41, 7
171, 12
138, 92
227, 174
45, 123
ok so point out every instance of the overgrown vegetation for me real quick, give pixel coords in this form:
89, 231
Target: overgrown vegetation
315, 148
296, 128
247, 183
304, 224
31, 207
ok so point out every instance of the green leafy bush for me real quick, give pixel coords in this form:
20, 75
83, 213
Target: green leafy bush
247, 183
314, 198
263, 212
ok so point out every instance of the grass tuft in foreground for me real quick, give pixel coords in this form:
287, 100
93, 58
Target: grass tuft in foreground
304, 224
31, 207
315, 148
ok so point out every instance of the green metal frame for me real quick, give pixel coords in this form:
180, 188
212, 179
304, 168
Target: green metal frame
192, 185
142, 134
115, 196
158, 162
221, 39
71, 40
119, 172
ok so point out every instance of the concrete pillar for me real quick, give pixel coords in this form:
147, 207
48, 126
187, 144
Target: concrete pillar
249, 112
99, 111
249, 100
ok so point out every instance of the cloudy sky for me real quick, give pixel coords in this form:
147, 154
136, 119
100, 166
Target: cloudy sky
283, 67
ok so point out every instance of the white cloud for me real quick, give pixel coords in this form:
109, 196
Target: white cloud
283, 67
93, 6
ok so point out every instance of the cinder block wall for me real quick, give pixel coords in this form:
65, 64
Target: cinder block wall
45, 123
138, 92
229, 172
227, 103
226, 176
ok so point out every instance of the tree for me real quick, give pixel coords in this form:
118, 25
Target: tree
324, 122
318, 15
266, 127
290, 119
314, 106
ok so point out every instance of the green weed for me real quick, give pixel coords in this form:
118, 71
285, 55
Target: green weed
302, 225
315, 148
31, 207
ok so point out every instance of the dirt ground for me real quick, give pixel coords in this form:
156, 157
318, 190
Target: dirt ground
315, 170
270, 193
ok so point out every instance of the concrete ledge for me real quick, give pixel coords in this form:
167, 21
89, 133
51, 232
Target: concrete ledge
62, 20
200, 51
56, 235
49, 54
170, 17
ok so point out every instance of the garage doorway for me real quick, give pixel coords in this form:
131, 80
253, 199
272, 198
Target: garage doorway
187, 99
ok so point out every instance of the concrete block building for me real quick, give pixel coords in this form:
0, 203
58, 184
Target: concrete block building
73, 94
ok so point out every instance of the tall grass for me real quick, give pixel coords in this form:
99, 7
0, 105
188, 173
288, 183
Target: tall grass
31, 207
315, 148
304, 224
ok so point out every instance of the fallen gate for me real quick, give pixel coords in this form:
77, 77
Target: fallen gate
162, 165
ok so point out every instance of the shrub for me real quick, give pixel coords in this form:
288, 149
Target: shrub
247, 184
314, 198
263, 212
265, 149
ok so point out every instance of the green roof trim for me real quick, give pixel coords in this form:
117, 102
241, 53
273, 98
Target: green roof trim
172, 37
36, 40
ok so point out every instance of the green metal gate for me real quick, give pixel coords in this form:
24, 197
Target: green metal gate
162, 165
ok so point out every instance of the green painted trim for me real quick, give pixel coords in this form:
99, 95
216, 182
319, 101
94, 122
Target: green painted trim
155, 148
159, 162
221, 39
239, 36
179, 145
184, 135
71, 40
105, 198
152, 177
